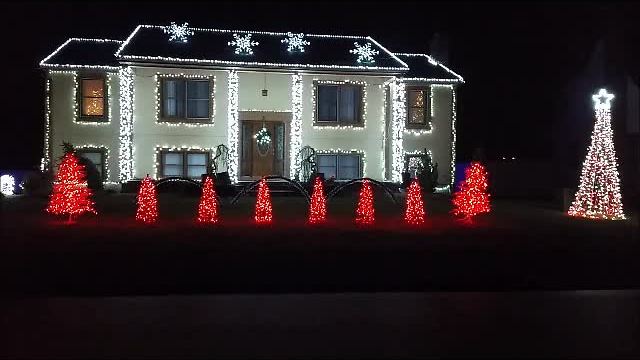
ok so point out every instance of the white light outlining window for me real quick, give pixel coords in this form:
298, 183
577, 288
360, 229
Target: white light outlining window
338, 122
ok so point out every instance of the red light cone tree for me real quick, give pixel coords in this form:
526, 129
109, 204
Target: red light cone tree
263, 213
365, 213
318, 207
147, 202
472, 198
414, 213
598, 196
208, 208
71, 194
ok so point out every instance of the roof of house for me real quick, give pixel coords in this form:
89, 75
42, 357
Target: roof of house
214, 47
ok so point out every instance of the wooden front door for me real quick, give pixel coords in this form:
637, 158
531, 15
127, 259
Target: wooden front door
257, 161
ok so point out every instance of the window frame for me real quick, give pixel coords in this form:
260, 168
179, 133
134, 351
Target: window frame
426, 108
80, 97
337, 156
163, 118
185, 162
330, 123
103, 158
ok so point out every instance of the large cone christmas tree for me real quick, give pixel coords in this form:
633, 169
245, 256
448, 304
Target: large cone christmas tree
598, 196
365, 213
472, 198
147, 202
414, 212
208, 207
263, 213
70, 195
318, 206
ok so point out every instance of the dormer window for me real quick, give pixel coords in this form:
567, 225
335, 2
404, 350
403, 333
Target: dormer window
93, 98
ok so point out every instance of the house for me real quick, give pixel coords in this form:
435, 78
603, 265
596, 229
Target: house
163, 100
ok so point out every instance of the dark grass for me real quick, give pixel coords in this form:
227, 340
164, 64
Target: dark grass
519, 246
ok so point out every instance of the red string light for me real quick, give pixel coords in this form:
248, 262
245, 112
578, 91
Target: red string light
71, 194
263, 213
318, 207
365, 213
208, 207
414, 213
147, 202
472, 198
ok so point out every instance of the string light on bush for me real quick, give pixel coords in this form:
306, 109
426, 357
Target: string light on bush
243, 44
212, 80
232, 125
147, 202
295, 143
263, 214
318, 206
126, 158
178, 33
295, 42
208, 207
414, 211
598, 195
7, 184
365, 212
365, 53
318, 125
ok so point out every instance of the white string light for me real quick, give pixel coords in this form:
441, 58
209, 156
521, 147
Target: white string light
212, 80
453, 137
233, 126
398, 105
45, 164
360, 152
7, 185
158, 149
295, 143
44, 63
434, 62
127, 93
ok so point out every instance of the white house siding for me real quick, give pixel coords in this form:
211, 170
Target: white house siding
148, 134
438, 141
64, 129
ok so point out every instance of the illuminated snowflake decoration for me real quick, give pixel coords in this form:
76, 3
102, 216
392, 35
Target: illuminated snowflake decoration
7, 184
295, 42
178, 33
243, 44
365, 53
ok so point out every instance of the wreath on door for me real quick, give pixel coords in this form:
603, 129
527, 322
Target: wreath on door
263, 140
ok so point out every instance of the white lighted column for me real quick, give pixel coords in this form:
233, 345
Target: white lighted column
296, 124
126, 161
399, 114
233, 127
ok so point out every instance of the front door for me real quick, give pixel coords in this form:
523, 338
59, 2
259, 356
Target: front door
262, 148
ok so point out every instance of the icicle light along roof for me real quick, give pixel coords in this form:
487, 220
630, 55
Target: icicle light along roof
209, 47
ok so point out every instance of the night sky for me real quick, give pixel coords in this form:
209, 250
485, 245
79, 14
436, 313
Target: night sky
517, 59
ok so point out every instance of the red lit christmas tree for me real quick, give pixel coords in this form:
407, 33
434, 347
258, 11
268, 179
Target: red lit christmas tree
70, 195
598, 196
472, 198
365, 213
208, 208
147, 202
414, 213
263, 204
318, 207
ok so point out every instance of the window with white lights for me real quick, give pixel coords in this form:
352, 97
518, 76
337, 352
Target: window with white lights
418, 108
186, 99
93, 98
339, 166
190, 164
339, 104
97, 157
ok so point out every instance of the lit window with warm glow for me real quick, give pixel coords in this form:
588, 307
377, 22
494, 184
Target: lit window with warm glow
93, 97
418, 111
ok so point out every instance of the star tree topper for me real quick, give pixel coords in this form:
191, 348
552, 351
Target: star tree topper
178, 33
295, 42
602, 99
243, 44
365, 52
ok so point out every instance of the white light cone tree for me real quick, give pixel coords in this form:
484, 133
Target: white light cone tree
598, 195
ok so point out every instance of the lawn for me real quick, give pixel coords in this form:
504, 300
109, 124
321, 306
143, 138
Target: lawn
519, 245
